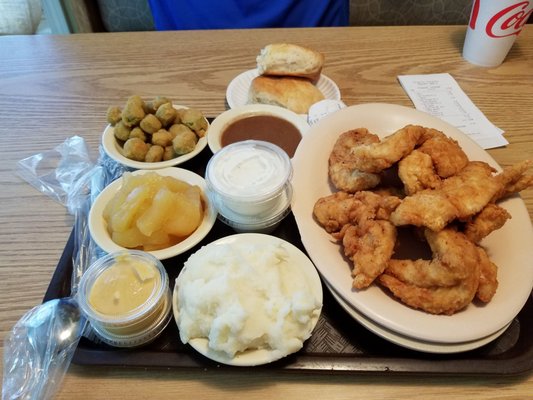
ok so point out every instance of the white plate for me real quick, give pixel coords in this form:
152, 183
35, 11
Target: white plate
112, 148
237, 91
304, 267
409, 343
509, 247
221, 122
98, 226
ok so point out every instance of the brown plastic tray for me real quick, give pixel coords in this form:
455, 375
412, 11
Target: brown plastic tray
339, 344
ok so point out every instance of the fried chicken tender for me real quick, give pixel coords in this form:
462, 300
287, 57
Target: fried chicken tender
360, 221
488, 280
451, 198
335, 211
342, 164
376, 157
447, 156
427, 208
439, 300
491, 218
449, 265
513, 180
471, 189
460, 196
370, 245
417, 172
420, 286
438, 157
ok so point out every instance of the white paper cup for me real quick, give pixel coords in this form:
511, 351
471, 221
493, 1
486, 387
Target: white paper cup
493, 28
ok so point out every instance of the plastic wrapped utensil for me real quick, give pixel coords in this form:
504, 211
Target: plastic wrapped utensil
39, 349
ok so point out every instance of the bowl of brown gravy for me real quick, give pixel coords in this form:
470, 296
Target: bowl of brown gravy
268, 123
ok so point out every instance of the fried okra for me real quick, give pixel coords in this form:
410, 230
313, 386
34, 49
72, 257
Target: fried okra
195, 120
169, 153
154, 154
121, 131
166, 114
185, 141
133, 111
114, 115
150, 123
162, 138
154, 130
136, 149
138, 133
150, 107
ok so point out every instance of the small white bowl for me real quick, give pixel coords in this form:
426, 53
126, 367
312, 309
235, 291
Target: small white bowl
98, 225
300, 269
220, 123
113, 150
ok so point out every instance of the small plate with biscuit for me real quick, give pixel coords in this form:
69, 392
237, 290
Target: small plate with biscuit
287, 75
238, 90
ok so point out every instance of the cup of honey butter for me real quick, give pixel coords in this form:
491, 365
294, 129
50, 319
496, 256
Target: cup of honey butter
126, 298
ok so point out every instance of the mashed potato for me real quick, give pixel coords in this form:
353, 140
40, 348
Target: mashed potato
245, 296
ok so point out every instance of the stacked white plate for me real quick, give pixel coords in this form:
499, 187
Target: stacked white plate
509, 247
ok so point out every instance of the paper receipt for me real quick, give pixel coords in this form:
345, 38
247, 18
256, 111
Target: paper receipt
441, 96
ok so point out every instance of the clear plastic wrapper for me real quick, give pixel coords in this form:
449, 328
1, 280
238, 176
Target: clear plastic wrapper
38, 350
69, 176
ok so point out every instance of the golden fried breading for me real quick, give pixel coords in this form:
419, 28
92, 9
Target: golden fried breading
446, 154
417, 173
460, 196
453, 256
342, 165
488, 280
440, 186
376, 157
335, 211
133, 111
513, 180
428, 208
422, 287
471, 189
436, 300
491, 218
370, 245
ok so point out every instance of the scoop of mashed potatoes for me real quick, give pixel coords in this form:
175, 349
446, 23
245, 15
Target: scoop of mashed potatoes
244, 296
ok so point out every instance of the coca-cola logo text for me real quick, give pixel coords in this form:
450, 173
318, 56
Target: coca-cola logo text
509, 21
506, 22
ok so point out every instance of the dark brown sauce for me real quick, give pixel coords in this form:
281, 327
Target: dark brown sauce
263, 127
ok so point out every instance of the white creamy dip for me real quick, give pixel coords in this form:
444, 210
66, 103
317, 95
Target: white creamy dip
250, 179
249, 170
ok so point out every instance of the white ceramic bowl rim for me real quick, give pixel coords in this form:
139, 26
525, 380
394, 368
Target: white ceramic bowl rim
111, 147
97, 224
220, 123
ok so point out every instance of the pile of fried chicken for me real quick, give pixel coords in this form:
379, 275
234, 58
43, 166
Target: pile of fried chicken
450, 201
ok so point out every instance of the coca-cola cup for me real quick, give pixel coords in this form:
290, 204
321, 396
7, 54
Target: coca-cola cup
493, 28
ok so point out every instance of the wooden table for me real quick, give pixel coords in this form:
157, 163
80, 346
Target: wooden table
54, 87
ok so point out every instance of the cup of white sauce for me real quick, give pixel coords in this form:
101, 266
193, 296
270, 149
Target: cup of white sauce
249, 183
